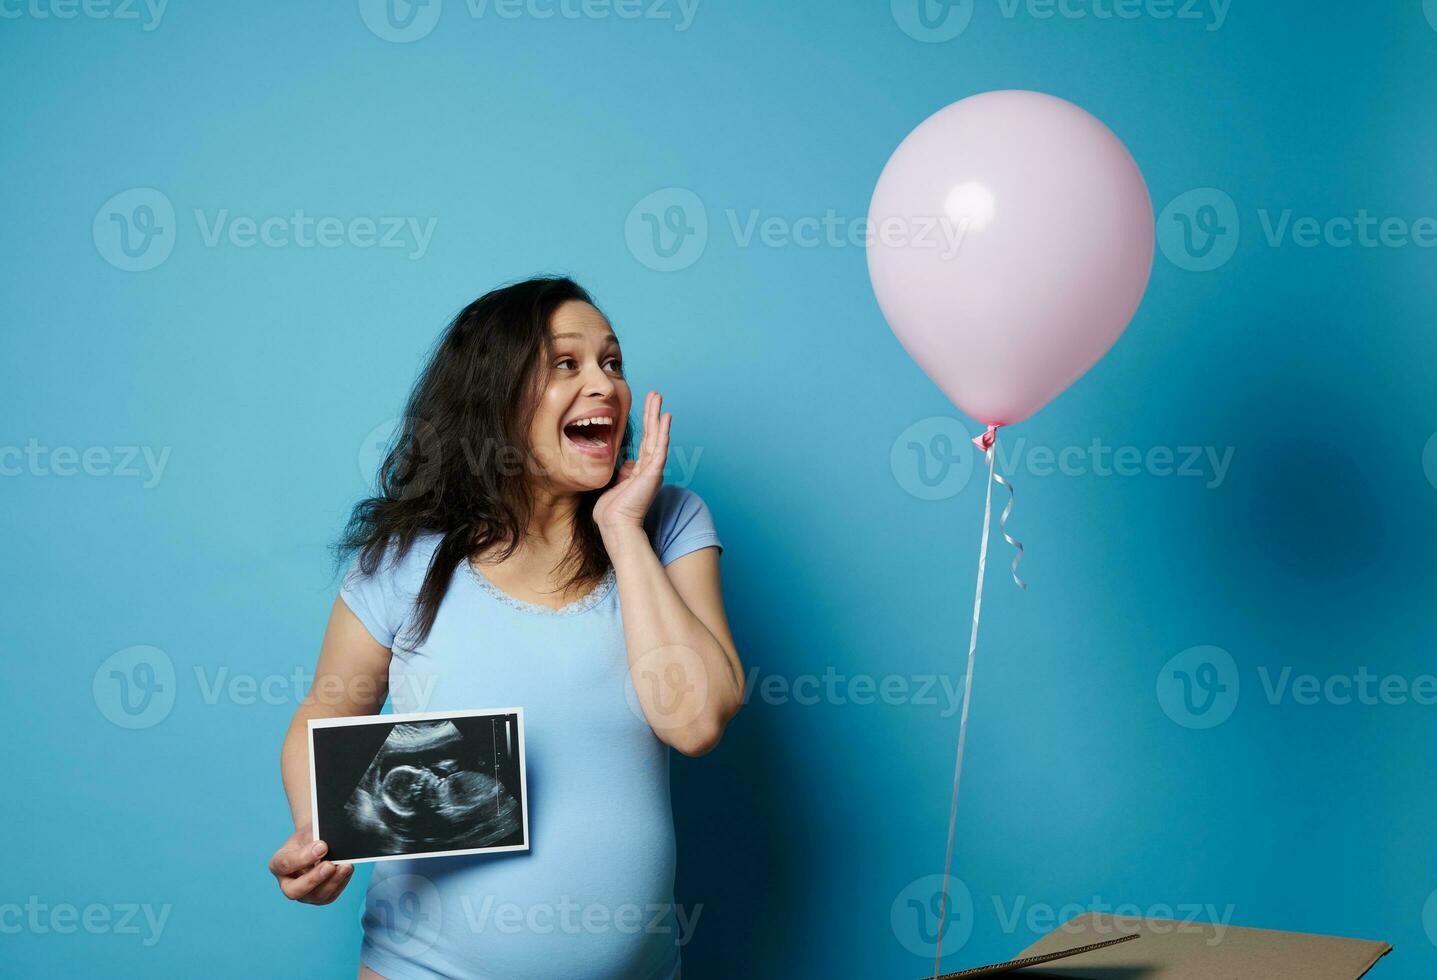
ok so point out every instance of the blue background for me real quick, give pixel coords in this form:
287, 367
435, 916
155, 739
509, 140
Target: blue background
265, 372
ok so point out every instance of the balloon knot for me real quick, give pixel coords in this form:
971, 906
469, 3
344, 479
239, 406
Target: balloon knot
986, 440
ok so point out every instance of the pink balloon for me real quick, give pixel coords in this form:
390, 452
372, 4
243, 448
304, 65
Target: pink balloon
1011, 242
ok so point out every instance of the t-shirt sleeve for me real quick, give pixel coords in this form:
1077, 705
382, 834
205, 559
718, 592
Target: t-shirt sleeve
378, 599
679, 522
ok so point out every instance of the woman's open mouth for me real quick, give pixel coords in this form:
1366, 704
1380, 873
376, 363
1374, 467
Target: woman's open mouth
593, 436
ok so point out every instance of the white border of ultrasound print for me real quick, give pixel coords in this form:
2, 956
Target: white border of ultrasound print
422, 716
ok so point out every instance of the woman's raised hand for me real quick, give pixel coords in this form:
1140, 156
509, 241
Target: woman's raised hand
626, 502
302, 873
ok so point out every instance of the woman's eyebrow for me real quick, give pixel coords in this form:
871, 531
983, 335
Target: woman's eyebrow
578, 336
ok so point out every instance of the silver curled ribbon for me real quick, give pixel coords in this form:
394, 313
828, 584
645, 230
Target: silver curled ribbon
986, 442
1003, 529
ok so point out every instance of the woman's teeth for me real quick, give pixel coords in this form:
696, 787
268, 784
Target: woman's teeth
593, 432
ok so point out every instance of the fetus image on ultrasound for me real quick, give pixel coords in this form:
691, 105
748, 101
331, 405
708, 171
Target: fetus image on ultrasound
413, 788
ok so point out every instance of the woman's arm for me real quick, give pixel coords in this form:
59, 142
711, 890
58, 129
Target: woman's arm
351, 678
682, 658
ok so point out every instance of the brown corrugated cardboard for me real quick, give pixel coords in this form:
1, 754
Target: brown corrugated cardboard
1008, 966
1171, 950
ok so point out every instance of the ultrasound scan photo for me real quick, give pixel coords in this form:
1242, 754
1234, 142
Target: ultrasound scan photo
412, 786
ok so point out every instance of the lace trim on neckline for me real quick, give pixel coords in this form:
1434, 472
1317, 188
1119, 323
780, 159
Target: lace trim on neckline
584, 603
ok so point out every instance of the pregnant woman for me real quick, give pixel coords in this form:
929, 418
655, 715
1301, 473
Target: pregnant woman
514, 555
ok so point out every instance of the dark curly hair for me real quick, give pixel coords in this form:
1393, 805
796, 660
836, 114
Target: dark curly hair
458, 461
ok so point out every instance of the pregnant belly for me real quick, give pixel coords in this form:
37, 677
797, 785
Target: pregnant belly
591, 900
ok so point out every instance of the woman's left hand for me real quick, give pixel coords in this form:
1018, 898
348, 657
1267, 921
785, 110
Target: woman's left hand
626, 502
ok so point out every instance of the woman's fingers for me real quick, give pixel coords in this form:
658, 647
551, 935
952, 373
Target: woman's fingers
644, 435
303, 876
299, 887
651, 415
295, 856
659, 445
330, 889
661, 451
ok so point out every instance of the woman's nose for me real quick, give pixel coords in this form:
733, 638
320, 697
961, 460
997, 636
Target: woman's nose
598, 382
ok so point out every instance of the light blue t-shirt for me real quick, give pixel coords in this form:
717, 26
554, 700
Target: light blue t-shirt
592, 898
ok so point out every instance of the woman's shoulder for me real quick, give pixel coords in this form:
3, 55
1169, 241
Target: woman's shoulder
382, 596
679, 522
400, 564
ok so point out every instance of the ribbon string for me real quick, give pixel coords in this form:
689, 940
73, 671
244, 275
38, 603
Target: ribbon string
1003, 528
986, 442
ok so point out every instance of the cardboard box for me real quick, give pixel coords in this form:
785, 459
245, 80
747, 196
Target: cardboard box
1105, 947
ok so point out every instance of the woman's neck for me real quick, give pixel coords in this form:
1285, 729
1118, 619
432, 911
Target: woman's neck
547, 537
529, 573
551, 521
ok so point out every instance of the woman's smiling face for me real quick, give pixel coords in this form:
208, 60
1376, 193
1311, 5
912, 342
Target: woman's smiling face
579, 419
